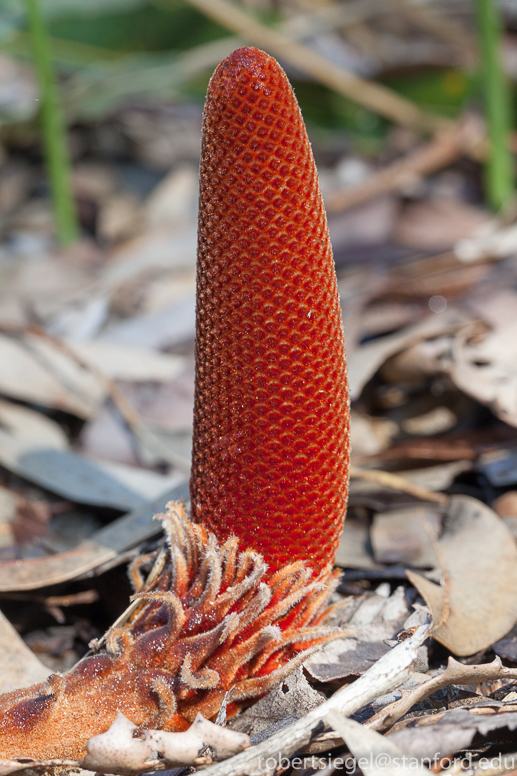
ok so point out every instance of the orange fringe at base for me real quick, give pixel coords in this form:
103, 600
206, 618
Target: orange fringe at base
207, 630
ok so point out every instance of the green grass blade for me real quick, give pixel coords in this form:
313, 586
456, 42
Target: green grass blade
500, 179
53, 128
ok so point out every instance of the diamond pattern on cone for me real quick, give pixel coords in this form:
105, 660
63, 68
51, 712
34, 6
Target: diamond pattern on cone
271, 451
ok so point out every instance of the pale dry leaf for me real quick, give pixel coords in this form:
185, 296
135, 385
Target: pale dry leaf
477, 604
455, 673
506, 504
184, 748
484, 367
376, 619
116, 751
36, 371
405, 535
436, 421
20, 667
365, 360
174, 199
375, 754
419, 361
128, 362
369, 436
24, 431
354, 550
161, 249
491, 241
438, 224
453, 731
78, 479
294, 696
160, 329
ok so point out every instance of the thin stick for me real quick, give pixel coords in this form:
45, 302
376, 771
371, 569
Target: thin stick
396, 482
440, 152
372, 95
54, 134
499, 167
443, 27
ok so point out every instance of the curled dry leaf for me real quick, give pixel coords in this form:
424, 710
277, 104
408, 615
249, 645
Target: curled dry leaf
484, 366
364, 361
477, 604
118, 751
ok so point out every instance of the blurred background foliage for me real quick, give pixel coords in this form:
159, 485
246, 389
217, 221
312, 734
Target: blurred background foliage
108, 51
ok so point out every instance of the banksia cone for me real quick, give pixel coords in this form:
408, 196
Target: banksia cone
270, 458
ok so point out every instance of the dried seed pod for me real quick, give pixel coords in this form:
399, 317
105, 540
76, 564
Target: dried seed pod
271, 451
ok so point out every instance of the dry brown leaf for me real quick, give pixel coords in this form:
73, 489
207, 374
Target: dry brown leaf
290, 700
377, 755
437, 225
377, 618
441, 735
102, 547
34, 370
405, 536
364, 361
477, 604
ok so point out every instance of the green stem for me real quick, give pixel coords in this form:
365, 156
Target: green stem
54, 133
500, 164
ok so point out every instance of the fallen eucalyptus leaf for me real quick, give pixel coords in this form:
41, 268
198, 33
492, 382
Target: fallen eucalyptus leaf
103, 547
484, 366
23, 431
406, 535
477, 604
20, 667
376, 755
294, 696
454, 731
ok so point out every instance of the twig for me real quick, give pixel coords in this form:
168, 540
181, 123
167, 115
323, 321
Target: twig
385, 675
448, 30
499, 168
455, 673
444, 149
54, 134
396, 482
372, 95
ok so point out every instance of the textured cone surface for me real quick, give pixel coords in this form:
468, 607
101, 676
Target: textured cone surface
270, 456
